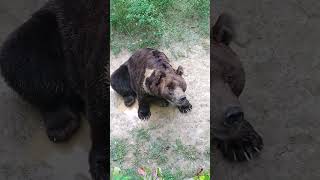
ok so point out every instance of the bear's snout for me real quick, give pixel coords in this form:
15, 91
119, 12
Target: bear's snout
182, 99
179, 97
233, 115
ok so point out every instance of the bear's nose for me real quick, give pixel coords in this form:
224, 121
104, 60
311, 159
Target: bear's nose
233, 114
182, 99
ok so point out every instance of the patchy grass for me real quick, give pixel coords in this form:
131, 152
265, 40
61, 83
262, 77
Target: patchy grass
188, 152
149, 150
154, 173
143, 134
153, 23
119, 149
158, 151
174, 175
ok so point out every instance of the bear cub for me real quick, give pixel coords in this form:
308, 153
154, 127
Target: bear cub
149, 77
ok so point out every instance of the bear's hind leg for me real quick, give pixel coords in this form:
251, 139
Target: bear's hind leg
120, 82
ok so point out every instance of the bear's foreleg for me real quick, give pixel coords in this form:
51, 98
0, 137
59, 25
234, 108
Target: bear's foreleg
144, 108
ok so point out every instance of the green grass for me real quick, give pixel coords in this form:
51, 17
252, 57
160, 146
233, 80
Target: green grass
143, 135
150, 150
158, 151
153, 174
146, 149
188, 152
119, 149
172, 175
153, 23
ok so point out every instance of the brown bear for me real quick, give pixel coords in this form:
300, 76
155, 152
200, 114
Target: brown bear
148, 76
234, 136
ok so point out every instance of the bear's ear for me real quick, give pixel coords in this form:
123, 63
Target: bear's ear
179, 71
223, 30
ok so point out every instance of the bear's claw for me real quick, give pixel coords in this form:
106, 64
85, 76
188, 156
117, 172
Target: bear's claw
61, 125
64, 133
243, 148
144, 115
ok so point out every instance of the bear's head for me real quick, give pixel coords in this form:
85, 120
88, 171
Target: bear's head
235, 137
169, 85
227, 81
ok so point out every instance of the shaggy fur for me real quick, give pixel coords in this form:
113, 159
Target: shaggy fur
148, 76
235, 137
58, 61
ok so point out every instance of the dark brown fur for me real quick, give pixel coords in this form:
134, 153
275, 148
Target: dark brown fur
235, 137
162, 82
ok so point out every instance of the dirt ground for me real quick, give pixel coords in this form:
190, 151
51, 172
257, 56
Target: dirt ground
193, 128
278, 42
25, 151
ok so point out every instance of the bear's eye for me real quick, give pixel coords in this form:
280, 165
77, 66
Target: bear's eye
170, 86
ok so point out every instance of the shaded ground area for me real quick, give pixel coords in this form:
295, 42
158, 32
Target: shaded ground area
279, 46
178, 143
25, 151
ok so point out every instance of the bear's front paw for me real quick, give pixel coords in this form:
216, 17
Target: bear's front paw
98, 165
61, 126
144, 114
245, 147
185, 108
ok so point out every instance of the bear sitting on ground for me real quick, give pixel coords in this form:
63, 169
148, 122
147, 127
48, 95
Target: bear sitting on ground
234, 136
148, 76
58, 61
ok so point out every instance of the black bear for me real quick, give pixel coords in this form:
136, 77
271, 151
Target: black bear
58, 61
234, 136
148, 76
